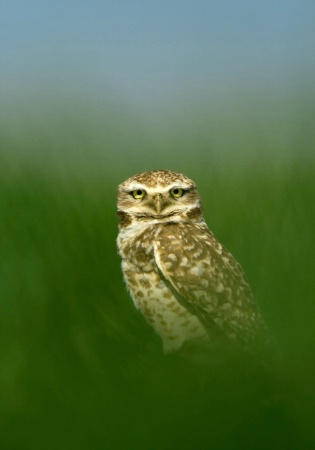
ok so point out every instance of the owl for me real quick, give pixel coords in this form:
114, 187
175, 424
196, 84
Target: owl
188, 287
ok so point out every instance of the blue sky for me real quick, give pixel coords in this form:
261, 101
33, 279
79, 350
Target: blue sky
154, 51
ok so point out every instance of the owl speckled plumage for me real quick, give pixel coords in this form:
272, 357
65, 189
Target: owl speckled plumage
186, 284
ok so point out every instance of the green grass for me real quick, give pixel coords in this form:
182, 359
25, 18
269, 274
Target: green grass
80, 369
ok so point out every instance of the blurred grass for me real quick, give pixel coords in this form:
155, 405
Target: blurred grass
80, 369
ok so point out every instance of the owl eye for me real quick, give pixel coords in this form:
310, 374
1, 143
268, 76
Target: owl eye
138, 193
177, 192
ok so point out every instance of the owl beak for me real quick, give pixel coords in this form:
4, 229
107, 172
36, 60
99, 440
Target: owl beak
158, 204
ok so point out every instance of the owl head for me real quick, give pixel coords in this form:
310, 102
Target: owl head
160, 195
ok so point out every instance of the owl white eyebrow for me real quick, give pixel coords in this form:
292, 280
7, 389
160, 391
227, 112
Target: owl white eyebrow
135, 187
180, 185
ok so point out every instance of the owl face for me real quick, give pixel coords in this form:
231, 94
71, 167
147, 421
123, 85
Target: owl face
158, 194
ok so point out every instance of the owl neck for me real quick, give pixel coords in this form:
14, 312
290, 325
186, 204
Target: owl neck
193, 215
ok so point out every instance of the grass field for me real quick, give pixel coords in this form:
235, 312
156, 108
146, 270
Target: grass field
80, 369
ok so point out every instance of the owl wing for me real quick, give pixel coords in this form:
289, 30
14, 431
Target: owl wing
206, 279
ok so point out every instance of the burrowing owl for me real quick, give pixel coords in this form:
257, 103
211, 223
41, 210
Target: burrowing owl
185, 283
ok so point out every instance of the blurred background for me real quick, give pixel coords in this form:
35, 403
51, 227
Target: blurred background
92, 93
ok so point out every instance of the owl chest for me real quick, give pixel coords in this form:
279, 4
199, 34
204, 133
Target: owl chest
138, 251
143, 279
153, 296
139, 268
